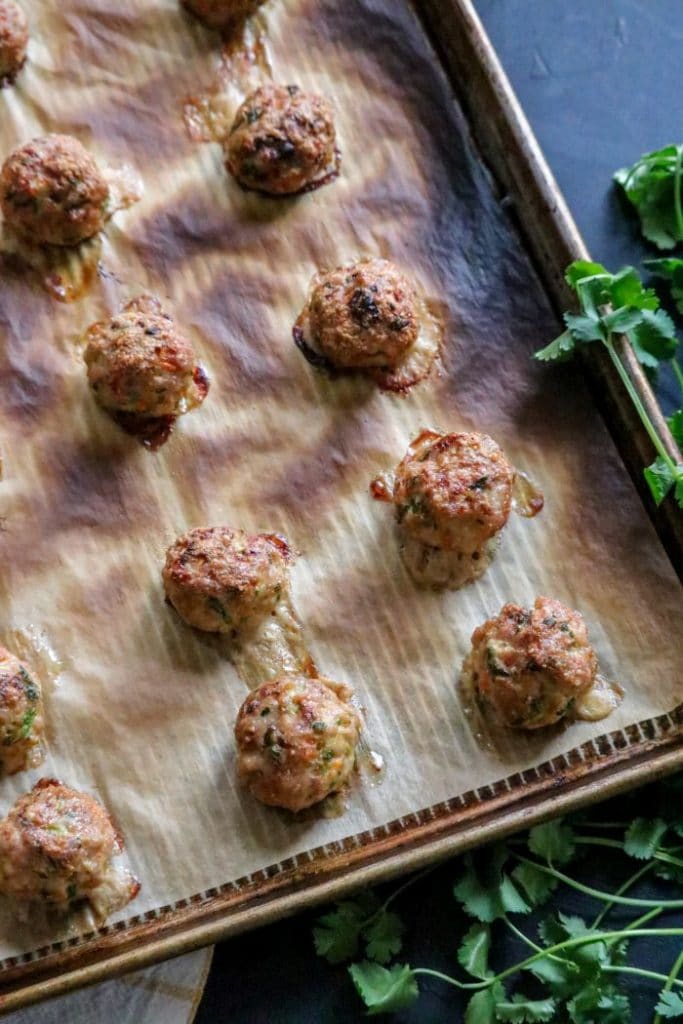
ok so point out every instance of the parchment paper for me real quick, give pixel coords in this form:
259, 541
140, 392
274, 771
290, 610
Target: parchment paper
143, 710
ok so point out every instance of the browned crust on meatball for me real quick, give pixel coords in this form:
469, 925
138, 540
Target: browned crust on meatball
56, 846
13, 39
527, 668
296, 740
223, 580
282, 140
223, 15
53, 192
21, 716
364, 315
140, 362
453, 491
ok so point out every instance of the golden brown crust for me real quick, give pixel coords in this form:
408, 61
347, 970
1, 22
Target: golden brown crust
22, 723
223, 580
56, 847
364, 315
526, 668
140, 362
13, 38
282, 140
53, 192
296, 740
453, 491
222, 14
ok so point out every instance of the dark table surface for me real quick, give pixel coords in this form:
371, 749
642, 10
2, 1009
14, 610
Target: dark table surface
600, 81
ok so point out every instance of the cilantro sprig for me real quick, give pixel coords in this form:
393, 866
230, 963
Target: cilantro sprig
613, 305
571, 967
653, 186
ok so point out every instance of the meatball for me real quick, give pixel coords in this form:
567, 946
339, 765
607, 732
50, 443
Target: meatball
139, 362
56, 847
222, 14
453, 491
526, 669
281, 141
13, 38
21, 716
364, 315
223, 580
52, 191
296, 740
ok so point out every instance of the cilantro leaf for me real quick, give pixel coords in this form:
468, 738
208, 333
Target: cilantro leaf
27, 724
643, 837
653, 186
536, 885
675, 422
670, 1005
554, 841
626, 289
558, 350
383, 936
669, 269
473, 954
485, 892
585, 328
653, 337
336, 935
521, 1010
660, 479
598, 1004
580, 269
481, 1008
382, 989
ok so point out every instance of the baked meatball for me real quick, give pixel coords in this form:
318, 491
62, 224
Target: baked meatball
21, 716
13, 38
222, 14
223, 580
453, 491
56, 848
281, 141
363, 315
296, 740
526, 669
139, 362
52, 191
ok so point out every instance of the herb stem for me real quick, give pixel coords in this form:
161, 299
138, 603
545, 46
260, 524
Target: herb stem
671, 981
452, 981
615, 844
678, 372
583, 940
640, 971
597, 894
620, 892
402, 888
640, 408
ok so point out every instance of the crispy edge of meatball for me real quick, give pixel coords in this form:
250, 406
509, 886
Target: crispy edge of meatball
288, 157
29, 180
114, 338
415, 364
272, 751
546, 677
29, 838
452, 506
184, 588
348, 308
23, 747
14, 39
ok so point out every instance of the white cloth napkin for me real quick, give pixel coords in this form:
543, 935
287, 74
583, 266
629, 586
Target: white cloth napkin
166, 994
